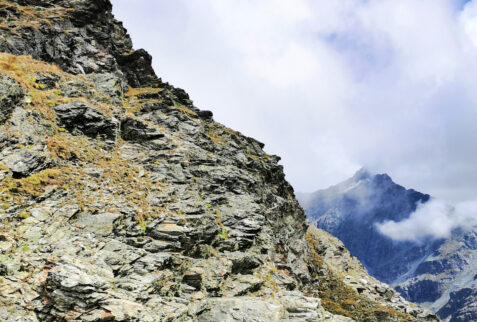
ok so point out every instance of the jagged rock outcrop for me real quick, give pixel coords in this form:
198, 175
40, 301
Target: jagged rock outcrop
121, 201
437, 273
79, 118
79, 36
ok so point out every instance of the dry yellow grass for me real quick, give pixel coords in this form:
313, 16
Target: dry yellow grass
339, 298
29, 16
119, 175
22, 69
138, 91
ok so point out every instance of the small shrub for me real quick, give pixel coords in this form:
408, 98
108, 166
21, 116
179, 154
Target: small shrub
224, 235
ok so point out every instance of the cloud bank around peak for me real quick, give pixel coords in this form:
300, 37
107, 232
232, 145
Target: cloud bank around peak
330, 86
434, 219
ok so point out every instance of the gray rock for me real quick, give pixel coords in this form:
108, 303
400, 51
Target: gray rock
41, 213
241, 285
46, 81
79, 117
101, 224
197, 229
152, 262
71, 287
118, 255
94, 172
76, 88
135, 130
240, 309
123, 310
205, 114
138, 70
109, 84
208, 274
11, 96
299, 307
244, 263
24, 162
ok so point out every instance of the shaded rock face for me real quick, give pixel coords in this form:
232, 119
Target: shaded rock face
11, 95
432, 272
134, 130
341, 272
78, 117
461, 307
137, 69
120, 200
446, 277
79, 36
421, 291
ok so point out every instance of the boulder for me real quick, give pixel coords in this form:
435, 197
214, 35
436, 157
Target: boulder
240, 309
135, 130
46, 81
71, 287
79, 118
24, 162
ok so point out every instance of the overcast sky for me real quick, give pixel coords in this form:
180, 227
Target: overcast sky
330, 86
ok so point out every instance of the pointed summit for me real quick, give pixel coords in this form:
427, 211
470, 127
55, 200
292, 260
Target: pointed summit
353, 207
361, 174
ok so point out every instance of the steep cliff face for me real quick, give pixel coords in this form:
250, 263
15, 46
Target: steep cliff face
439, 274
120, 200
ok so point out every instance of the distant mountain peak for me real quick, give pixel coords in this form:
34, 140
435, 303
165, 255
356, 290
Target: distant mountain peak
439, 272
354, 206
362, 174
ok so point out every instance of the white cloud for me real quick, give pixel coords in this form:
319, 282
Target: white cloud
468, 20
435, 219
330, 85
296, 65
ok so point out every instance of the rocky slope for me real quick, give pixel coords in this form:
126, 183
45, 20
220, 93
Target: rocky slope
120, 200
439, 274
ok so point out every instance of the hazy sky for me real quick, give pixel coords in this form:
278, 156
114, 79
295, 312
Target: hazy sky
330, 86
